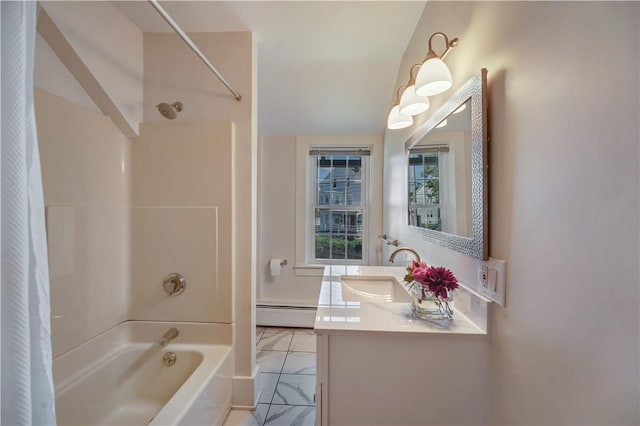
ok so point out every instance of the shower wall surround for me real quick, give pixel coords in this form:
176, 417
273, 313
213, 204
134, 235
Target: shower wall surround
181, 221
86, 175
182, 203
173, 72
123, 214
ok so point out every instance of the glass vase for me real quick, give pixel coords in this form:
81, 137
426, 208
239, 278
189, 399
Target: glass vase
425, 304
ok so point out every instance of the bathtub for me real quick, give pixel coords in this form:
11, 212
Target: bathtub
119, 377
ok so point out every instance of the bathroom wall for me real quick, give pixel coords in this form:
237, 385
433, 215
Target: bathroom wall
107, 46
277, 204
277, 224
173, 73
564, 208
86, 175
52, 76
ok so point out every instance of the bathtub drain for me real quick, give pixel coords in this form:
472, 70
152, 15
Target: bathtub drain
169, 359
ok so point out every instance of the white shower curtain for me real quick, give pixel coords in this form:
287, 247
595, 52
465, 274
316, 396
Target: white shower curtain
27, 385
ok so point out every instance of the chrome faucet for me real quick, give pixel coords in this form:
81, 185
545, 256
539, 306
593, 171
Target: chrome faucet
399, 249
171, 334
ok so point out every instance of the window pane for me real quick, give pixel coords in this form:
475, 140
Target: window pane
323, 250
429, 217
432, 191
354, 248
338, 232
339, 192
420, 192
323, 220
338, 247
324, 169
337, 221
324, 193
412, 172
412, 191
419, 171
355, 168
353, 222
354, 191
339, 172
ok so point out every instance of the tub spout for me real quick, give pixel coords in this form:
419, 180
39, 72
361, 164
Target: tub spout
171, 334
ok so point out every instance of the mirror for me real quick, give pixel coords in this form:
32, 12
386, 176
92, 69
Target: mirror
447, 173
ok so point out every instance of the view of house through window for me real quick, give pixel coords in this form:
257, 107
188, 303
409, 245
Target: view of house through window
425, 208
339, 207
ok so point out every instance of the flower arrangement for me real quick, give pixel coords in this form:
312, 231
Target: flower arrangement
435, 283
437, 279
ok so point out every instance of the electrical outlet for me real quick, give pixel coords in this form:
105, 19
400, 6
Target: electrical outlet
492, 278
484, 276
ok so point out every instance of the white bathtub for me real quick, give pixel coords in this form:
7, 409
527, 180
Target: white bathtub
119, 378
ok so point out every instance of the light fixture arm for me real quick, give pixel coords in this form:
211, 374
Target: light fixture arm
398, 92
412, 78
449, 45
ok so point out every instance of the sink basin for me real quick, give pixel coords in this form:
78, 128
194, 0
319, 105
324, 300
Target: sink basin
359, 288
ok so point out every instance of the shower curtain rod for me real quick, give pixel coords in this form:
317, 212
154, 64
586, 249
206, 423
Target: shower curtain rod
193, 47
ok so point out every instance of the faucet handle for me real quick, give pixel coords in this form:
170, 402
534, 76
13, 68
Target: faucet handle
174, 284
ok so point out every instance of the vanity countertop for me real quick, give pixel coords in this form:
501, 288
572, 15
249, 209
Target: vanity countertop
334, 315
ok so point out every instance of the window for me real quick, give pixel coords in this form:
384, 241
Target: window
338, 206
338, 202
426, 204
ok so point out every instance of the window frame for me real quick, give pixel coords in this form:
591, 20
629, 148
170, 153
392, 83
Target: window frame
443, 158
304, 190
311, 205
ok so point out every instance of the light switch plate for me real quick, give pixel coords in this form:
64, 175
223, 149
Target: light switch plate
492, 279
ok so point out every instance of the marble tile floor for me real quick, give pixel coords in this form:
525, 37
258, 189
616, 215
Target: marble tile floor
287, 360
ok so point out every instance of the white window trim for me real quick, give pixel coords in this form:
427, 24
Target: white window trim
372, 249
310, 212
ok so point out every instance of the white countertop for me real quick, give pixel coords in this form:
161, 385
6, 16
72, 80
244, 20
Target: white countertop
336, 316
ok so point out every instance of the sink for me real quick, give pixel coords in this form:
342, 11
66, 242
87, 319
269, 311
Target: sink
360, 288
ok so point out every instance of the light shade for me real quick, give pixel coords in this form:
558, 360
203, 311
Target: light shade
412, 104
442, 124
433, 78
397, 120
460, 108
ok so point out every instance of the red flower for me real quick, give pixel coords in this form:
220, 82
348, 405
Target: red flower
440, 281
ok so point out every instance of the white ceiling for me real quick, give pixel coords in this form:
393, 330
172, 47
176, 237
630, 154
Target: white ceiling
324, 67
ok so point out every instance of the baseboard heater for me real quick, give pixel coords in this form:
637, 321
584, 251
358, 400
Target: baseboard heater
285, 316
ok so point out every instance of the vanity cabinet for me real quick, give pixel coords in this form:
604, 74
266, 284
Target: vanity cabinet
378, 365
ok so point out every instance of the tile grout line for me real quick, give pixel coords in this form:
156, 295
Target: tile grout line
278, 382
288, 351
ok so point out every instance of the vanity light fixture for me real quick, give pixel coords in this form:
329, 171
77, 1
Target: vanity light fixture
434, 76
397, 120
410, 103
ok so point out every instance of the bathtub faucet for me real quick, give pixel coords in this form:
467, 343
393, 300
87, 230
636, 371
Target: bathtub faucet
171, 334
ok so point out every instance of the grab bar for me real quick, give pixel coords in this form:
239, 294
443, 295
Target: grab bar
384, 238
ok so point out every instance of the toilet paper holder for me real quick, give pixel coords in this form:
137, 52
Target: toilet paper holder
275, 265
282, 262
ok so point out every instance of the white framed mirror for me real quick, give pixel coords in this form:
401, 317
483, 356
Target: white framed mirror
447, 177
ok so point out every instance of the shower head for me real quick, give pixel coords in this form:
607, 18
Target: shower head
169, 111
